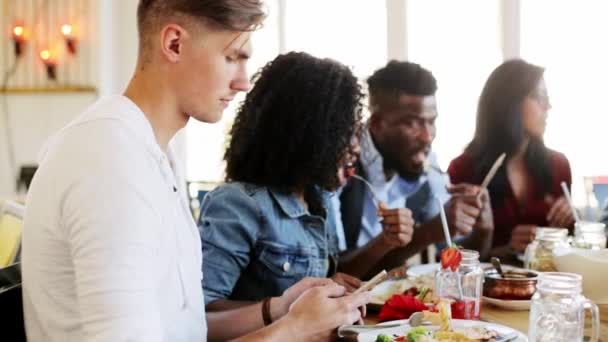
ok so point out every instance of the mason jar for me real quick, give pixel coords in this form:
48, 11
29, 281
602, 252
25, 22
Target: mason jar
540, 253
589, 235
462, 287
557, 311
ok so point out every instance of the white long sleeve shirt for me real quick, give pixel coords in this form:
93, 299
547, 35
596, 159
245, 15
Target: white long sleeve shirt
110, 250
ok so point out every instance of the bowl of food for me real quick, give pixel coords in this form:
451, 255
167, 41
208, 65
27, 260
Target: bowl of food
515, 284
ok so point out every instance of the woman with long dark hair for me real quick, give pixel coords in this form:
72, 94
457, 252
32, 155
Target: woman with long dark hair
526, 192
270, 225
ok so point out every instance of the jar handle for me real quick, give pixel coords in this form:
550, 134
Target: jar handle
595, 317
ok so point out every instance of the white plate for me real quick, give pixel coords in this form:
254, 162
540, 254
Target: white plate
513, 305
387, 288
418, 270
370, 336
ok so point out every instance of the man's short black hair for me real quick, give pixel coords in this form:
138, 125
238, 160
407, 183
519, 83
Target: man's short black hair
397, 78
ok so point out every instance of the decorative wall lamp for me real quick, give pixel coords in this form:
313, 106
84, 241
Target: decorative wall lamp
19, 38
50, 64
50, 46
70, 40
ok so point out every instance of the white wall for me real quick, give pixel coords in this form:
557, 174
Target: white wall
34, 117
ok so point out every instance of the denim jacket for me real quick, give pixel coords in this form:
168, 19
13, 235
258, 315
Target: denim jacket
258, 241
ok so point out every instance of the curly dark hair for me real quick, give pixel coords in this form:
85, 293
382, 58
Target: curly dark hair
400, 77
295, 126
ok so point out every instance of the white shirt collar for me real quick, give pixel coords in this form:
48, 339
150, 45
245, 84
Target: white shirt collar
371, 160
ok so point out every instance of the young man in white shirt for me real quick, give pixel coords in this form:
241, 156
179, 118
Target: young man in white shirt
110, 250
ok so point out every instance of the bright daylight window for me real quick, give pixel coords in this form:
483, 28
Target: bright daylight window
568, 39
351, 32
458, 41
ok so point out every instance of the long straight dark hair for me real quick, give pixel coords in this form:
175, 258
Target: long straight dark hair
499, 127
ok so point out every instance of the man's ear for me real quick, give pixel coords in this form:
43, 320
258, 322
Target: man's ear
375, 122
172, 38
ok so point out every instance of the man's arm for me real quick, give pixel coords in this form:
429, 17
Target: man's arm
397, 231
358, 262
480, 238
462, 213
424, 235
115, 251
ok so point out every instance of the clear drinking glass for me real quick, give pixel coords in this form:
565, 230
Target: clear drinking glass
590, 235
540, 253
463, 287
557, 313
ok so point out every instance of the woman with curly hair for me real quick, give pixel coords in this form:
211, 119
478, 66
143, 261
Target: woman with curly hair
526, 192
270, 224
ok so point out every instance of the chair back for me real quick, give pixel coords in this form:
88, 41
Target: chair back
11, 226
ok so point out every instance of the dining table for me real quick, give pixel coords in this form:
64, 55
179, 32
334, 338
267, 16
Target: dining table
519, 319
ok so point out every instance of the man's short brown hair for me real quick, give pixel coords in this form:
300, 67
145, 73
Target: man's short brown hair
232, 15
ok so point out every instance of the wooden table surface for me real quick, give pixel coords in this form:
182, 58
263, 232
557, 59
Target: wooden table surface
519, 319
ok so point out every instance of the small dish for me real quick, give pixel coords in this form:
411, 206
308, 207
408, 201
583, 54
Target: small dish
518, 284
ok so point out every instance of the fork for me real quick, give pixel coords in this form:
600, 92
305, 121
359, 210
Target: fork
352, 330
506, 338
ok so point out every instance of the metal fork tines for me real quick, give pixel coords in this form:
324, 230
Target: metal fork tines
373, 193
351, 330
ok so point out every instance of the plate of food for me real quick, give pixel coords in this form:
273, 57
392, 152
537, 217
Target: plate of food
461, 331
442, 328
421, 288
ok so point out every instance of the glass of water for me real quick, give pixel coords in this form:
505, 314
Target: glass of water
590, 235
558, 308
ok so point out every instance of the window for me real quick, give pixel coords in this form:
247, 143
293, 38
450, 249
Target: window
352, 32
458, 41
566, 37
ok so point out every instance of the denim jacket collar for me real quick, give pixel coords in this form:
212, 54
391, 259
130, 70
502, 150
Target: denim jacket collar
291, 206
289, 203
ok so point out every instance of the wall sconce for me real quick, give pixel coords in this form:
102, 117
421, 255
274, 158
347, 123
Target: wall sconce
50, 64
70, 41
19, 39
